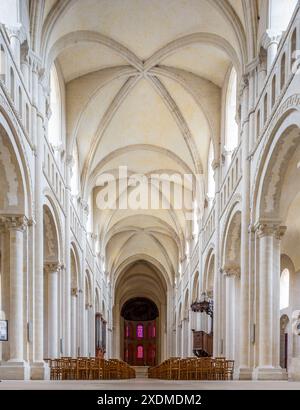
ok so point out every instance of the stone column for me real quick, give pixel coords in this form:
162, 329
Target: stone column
232, 275
269, 235
39, 370
15, 367
15, 37
185, 337
217, 336
247, 98
67, 276
270, 43
74, 298
51, 270
16, 227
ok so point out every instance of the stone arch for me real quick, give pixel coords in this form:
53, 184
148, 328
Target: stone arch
277, 151
15, 214
231, 242
195, 287
15, 178
209, 273
140, 278
153, 261
75, 280
275, 216
53, 232
75, 268
51, 238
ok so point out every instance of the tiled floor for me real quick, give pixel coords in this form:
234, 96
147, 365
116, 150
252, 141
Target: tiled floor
147, 384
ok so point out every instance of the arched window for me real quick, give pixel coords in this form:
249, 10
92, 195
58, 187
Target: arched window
284, 289
140, 331
273, 90
140, 352
12, 84
293, 49
282, 72
75, 173
265, 108
211, 186
231, 132
54, 124
20, 102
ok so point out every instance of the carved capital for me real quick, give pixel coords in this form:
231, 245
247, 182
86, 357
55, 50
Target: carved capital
16, 222
231, 271
270, 37
74, 292
280, 231
270, 229
52, 267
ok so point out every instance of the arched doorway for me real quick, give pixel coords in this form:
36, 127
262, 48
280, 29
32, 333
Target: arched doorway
140, 332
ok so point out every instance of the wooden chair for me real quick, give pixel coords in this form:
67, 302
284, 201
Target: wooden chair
219, 368
175, 369
183, 369
229, 369
207, 370
82, 371
191, 368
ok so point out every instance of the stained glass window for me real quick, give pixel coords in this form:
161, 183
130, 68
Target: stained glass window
140, 331
127, 331
153, 330
140, 352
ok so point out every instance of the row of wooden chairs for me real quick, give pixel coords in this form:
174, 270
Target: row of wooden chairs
89, 368
193, 368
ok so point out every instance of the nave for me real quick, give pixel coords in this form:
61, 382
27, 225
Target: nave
149, 196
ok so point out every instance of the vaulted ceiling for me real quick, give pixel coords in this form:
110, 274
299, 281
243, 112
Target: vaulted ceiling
143, 81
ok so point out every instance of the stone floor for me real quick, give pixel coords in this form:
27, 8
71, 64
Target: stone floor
147, 384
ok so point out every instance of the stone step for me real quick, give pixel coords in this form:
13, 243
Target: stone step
141, 372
